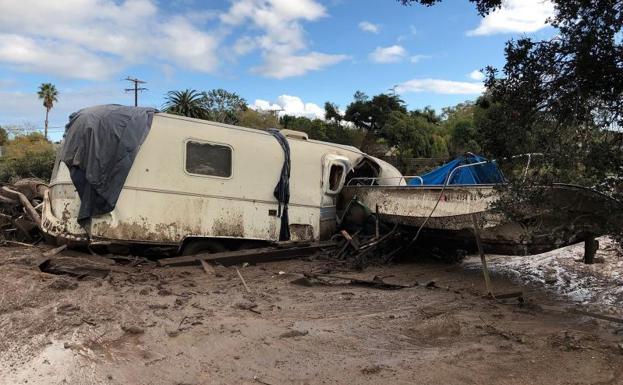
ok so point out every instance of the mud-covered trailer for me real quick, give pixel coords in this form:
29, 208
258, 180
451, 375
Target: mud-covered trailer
194, 179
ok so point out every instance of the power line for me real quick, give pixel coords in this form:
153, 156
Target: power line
136, 88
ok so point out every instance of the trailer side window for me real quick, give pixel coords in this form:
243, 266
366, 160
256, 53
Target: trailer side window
208, 159
335, 177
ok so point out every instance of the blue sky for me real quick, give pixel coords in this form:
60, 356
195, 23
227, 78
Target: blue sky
290, 55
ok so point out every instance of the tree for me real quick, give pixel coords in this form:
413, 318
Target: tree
371, 114
223, 106
561, 96
332, 112
4, 136
27, 155
49, 95
257, 119
185, 102
460, 129
329, 131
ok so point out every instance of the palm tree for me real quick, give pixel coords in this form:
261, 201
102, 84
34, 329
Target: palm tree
49, 95
185, 102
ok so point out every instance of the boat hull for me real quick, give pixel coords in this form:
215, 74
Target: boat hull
564, 215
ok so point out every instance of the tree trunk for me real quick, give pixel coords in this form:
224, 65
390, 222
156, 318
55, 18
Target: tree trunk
45, 132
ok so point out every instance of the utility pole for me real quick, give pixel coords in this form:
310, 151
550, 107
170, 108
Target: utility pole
136, 88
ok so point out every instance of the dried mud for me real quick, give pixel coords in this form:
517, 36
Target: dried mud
150, 325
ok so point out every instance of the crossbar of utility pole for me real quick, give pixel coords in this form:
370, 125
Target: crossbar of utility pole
136, 88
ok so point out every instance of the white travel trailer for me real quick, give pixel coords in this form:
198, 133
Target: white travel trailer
199, 180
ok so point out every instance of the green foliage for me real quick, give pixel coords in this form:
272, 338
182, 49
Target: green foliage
4, 136
562, 97
48, 94
217, 105
371, 114
414, 135
185, 102
257, 119
29, 155
222, 106
319, 129
462, 130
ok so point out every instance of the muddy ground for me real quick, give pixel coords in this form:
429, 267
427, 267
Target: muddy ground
151, 325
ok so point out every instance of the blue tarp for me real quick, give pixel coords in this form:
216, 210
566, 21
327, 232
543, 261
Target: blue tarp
487, 173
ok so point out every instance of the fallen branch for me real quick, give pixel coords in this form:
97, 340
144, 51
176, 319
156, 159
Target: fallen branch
30, 210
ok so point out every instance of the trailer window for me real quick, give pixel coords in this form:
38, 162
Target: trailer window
208, 159
335, 177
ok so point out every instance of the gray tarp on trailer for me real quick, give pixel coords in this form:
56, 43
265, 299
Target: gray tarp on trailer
99, 148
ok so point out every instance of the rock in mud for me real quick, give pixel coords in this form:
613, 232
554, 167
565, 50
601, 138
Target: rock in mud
132, 329
63, 284
294, 333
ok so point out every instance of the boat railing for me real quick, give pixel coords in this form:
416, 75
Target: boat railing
369, 181
525, 173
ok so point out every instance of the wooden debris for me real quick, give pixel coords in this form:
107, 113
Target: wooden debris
28, 207
591, 246
242, 279
483, 259
350, 240
376, 282
209, 270
54, 251
16, 243
264, 254
80, 267
596, 315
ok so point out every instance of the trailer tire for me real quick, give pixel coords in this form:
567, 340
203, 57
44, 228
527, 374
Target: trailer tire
203, 246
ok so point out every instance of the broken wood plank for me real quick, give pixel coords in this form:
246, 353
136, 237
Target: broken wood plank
264, 254
350, 240
54, 251
290, 244
376, 282
207, 268
80, 267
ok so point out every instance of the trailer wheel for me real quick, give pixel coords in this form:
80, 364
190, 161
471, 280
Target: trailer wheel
203, 246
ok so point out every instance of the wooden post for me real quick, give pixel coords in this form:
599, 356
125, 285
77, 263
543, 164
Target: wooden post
590, 249
483, 259
376, 222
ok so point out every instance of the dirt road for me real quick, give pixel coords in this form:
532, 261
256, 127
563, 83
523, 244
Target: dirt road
150, 325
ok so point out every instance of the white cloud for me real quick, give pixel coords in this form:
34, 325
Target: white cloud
439, 86
19, 107
418, 58
476, 75
95, 39
391, 54
98, 39
516, 16
411, 34
366, 26
282, 39
283, 66
290, 105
